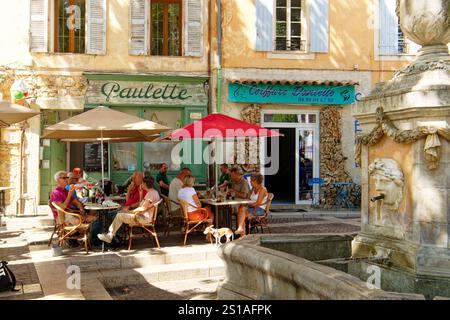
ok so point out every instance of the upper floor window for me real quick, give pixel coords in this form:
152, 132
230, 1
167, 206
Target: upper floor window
69, 26
295, 26
392, 41
288, 22
166, 27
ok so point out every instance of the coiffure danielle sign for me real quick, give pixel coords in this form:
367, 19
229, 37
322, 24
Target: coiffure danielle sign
291, 94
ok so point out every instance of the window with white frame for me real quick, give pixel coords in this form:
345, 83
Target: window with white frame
392, 41
166, 27
68, 26
288, 25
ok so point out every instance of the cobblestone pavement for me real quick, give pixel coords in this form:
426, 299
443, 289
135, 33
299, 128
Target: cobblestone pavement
19, 236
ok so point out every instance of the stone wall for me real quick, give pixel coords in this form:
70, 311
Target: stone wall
332, 159
10, 164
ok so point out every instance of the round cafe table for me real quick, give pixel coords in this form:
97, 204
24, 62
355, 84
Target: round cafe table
101, 211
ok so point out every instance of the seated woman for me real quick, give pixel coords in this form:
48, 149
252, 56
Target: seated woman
259, 197
195, 210
142, 214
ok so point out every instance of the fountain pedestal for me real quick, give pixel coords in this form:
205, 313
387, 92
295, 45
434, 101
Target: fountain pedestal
405, 156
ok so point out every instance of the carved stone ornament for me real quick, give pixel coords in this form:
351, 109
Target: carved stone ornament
389, 182
386, 127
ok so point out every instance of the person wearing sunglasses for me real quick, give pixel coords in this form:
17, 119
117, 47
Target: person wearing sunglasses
65, 199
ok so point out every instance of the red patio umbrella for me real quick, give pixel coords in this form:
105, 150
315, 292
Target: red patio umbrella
218, 126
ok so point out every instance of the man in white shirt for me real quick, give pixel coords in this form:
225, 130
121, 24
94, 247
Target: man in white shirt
175, 187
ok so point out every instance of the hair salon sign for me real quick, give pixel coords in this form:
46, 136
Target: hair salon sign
146, 93
291, 94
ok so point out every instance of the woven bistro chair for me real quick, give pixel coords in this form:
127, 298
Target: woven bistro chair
149, 227
66, 231
191, 225
261, 221
171, 215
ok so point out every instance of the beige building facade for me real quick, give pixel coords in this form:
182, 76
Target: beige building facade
72, 54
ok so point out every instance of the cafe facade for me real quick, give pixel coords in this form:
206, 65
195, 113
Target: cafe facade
172, 101
312, 109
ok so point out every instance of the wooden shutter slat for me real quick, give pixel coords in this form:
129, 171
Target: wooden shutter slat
264, 25
319, 26
388, 28
96, 26
138, 34
38, 25
193, 28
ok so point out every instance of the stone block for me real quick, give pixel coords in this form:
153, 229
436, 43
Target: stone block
430, 204
435, 234
423, 177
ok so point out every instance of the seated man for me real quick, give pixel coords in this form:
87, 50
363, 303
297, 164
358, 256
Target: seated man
144, 213
239, 187
224, 179
65, 199
135, 192
175, 186
162, 180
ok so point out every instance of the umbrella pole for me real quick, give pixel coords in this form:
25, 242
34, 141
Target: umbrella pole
103, 162
216, 174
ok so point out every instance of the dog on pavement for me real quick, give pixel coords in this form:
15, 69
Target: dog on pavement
219, 233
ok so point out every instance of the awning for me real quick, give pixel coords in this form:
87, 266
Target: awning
297, 82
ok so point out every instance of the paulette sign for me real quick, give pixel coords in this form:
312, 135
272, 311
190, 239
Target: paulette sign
138, 92
290, 94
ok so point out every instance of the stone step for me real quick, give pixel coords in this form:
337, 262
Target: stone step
161, 273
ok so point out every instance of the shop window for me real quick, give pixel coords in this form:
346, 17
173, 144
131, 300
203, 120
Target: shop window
288, 25
69, 26
290, 118
157, 153
124, 156
166, 27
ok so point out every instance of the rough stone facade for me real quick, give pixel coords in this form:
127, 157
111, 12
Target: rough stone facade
332, 159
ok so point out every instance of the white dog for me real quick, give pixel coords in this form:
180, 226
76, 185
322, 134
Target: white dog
219, 233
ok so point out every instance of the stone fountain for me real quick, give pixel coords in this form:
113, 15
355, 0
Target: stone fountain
404, 157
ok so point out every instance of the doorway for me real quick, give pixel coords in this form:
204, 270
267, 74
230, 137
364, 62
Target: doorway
298, 155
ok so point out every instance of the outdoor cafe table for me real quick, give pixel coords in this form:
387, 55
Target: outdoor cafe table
216, 205
102, 211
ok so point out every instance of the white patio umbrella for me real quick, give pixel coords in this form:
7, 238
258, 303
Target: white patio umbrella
11, 113
104, 124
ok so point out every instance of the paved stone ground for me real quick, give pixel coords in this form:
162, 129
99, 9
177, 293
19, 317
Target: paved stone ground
21, 234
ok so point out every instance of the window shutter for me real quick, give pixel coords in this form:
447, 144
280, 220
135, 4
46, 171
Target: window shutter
388, 28
96, 26
319, 26
139, 13
264, 25
193, 36
38, 25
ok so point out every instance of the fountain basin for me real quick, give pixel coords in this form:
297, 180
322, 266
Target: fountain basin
293, 267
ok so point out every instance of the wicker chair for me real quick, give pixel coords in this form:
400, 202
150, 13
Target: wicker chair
261, 221
191, 225
149, 227
171, 215
66, 231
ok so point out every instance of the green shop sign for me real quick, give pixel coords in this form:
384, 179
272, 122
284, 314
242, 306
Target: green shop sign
146, 93
290, 94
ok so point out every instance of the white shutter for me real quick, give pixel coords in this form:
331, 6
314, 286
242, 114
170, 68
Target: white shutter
193, 35
388, 28
38, 26
96, 26
319, 26
139, 13
264, 25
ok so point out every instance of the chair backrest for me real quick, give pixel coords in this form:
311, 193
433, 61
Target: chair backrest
268, 203
155, 214
184, 205
61, 213
168, 203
